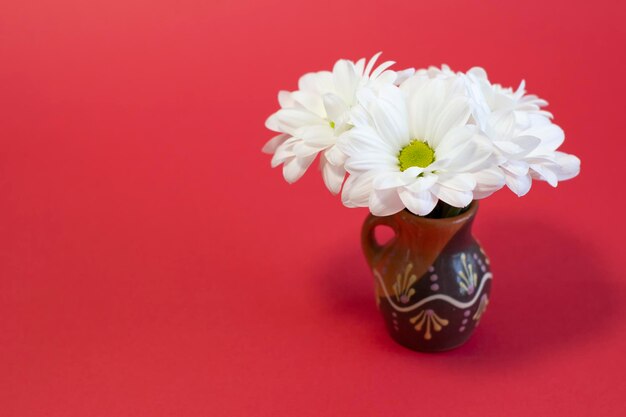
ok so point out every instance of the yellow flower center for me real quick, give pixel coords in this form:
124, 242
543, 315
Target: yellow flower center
332, 124
416, 154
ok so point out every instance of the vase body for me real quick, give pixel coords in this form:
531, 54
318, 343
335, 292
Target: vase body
432, 279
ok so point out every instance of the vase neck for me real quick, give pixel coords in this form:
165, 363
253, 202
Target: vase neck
410, 228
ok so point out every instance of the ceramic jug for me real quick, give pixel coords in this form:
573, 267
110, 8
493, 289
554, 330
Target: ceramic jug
432, 279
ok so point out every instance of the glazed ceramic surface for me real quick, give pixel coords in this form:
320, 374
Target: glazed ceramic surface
432, 279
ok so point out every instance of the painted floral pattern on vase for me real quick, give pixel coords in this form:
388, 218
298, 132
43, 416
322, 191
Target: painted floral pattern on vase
404, 282
430, 319
482, 307
466, 274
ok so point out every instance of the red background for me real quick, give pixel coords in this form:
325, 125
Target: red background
152, 264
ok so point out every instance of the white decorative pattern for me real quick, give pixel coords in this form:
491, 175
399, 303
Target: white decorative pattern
446, 298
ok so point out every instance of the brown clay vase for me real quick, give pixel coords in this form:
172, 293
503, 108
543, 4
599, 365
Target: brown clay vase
432, 278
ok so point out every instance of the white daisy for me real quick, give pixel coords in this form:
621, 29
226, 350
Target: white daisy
313, 117
524, 138
516, 105
490, 98
473, 83
412, 146
529, 151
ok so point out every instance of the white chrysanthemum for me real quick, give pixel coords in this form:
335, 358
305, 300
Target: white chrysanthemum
524, 138
474, 85
313, 117
505, 103
490, 98
412, 146
529, 151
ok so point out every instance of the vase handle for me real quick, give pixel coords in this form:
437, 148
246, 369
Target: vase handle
370, 246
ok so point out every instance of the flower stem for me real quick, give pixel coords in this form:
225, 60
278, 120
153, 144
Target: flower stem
443, 210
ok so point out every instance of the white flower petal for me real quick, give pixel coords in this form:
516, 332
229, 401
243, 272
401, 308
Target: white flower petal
359, 66
317, 135
413, 172
488, 181
385, 202
318, 82
359, 116
551, 135
544, 173
567, 166
272, 123
519, 146
335, 156
422, 101
454, 140
459, 182
371, 63
423, 183
390, 180
293, 119
335, 107
403, 75
519, 184
463, 150
380, 69
346, 80
363, 139
356, 190
369, 161
517, 168
294, 169
386, 78
302, 149
333, 175
451, 196
285, 99
311, 101
455, 114
390, 116
478, 72
284, 151
418, 203
271, 145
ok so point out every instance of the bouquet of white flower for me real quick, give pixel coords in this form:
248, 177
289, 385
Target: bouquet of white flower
430, 140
